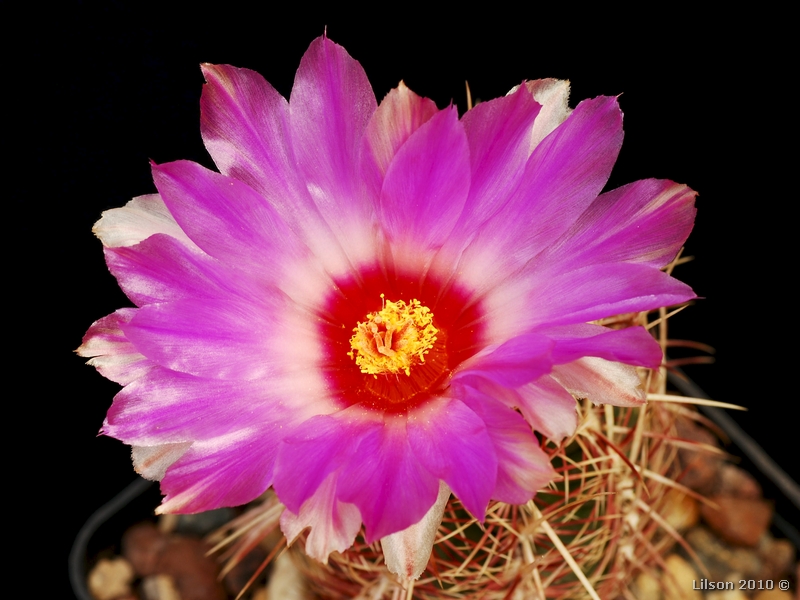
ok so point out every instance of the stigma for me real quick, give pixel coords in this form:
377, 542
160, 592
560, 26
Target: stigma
394, 339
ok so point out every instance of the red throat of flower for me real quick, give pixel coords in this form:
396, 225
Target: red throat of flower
399, 353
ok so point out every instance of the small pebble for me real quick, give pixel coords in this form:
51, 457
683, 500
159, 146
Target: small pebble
160, 587
680, 511
110, 579
648, 587
740, 521
734, 481
678, 580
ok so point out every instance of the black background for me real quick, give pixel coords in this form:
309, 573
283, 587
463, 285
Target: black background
97, 91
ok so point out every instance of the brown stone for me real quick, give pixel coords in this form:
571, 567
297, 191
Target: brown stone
701, 466
195, 573
739, 521
110, 579
737, 483
152, 552
143, 545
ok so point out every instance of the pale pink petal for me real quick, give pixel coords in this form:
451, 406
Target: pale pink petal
286, 581
136, 221
452, 444
601, 381
553, 95
407, 552
399, 115
111, 353
152, 462
522, 466
330, 106
334, 524
546, 405
427, 182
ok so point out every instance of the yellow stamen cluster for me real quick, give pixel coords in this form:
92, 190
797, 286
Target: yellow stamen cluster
394, 339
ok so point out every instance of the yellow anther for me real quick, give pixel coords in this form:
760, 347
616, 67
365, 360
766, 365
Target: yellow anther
393, 339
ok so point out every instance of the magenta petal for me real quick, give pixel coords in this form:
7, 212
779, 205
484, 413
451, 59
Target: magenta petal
225, 471
498, 133
168, 407
161, 269
562, 177
240, 366
512, 364
522, 466
246, 128
633, 346
330, 106
645, 222
225, 217
213, 338
386, 482
569, 168
600, 291
546, 405
399, 115
427, 183
317, 448
111, 353
452, 443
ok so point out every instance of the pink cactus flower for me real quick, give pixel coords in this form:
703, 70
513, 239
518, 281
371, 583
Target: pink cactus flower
371, 305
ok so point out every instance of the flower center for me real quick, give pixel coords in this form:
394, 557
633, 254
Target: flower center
394, 339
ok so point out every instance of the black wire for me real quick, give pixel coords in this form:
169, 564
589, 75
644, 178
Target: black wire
77, 555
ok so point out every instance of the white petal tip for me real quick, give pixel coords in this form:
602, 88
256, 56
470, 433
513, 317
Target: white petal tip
407, 552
